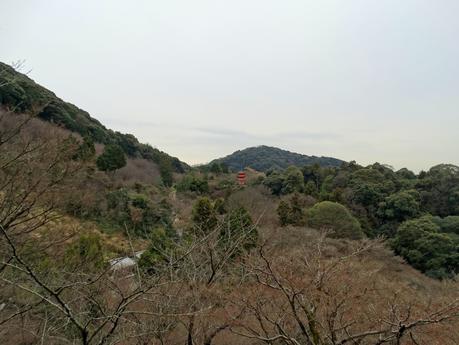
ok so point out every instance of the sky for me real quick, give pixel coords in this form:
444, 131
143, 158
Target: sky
364, 80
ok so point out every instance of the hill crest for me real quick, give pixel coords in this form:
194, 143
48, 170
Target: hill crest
21, 94
263, 158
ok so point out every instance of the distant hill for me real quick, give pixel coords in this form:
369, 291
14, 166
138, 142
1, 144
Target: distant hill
263, 158
20, 93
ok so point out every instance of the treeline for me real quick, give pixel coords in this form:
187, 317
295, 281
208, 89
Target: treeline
418, 213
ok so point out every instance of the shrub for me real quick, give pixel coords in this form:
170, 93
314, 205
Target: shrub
161, 249
137, 212
203, 215
165, 170
335, 217
86, 150
193, 183
311, 189
86, 253
219, 206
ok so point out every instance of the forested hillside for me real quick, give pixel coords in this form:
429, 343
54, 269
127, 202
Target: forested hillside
419, 214
263, 158
22, 95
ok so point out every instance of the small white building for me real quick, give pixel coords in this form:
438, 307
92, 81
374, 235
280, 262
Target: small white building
126, 261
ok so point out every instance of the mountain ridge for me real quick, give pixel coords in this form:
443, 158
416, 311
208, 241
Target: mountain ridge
264, 157
20, 94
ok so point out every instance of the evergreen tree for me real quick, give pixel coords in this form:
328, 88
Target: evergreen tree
335, 217
111, 159
203, 215
283, 211
238, 229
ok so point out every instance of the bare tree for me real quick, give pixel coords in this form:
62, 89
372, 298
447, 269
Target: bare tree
312, 297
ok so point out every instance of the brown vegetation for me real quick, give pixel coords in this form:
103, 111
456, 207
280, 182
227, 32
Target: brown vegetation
296, 287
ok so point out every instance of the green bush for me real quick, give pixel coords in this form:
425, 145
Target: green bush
335, 217
193, 183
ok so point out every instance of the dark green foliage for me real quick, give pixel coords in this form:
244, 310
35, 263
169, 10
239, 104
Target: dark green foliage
226, 185
379, 197
275, 182
283, 211
161, 251
238, 231
203, 216
215, 168
219, 206
193, 183
137, 212
165, 169
448, 224
118, 201
332, 216
406, 174
263, 158
314, 174
439, 189
218, 168
111, 159
422, 245
293, 180
291, 211
127, 142
311, 189
86, 150
400, 206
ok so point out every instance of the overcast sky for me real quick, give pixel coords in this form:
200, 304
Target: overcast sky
364, 80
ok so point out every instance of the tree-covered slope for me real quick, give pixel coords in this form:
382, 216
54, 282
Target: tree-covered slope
263, 158
21, 94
